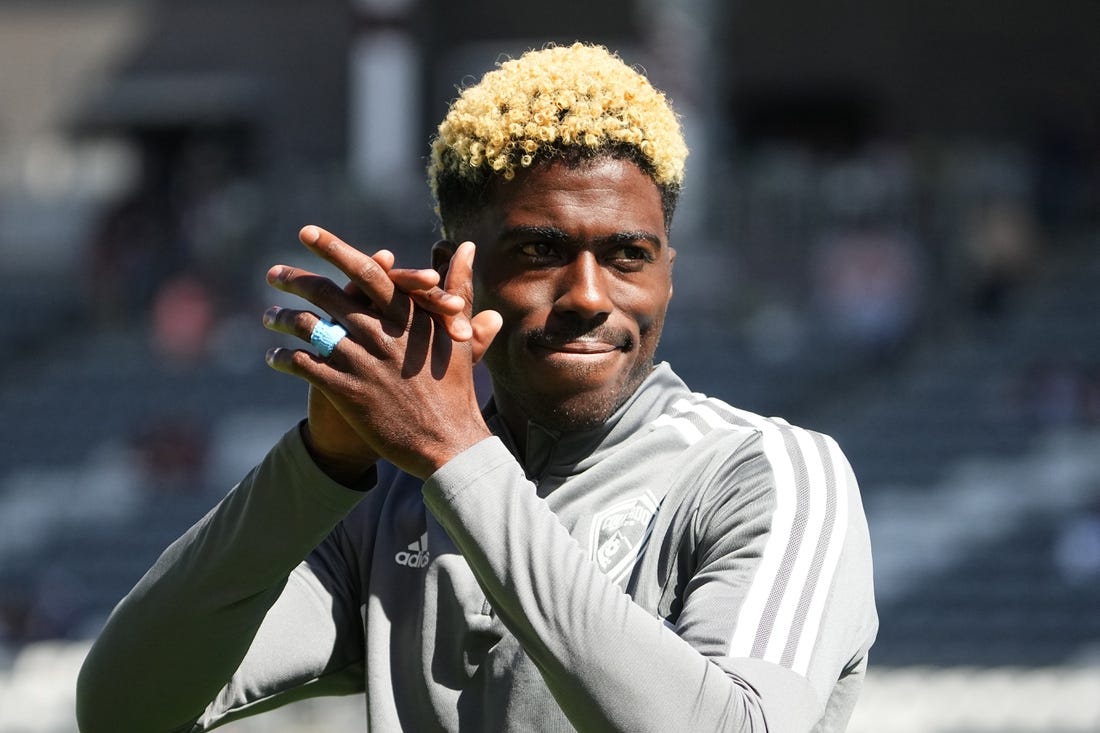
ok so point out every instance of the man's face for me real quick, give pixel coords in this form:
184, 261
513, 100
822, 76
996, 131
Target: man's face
577, 262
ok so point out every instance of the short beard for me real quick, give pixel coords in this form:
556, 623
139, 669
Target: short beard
583, 411
575, 413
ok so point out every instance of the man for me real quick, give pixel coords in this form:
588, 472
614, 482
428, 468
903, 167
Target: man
600, 549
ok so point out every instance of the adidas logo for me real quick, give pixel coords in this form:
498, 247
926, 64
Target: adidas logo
416, 556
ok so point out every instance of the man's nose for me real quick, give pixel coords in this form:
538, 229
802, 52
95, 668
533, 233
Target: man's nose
583, 288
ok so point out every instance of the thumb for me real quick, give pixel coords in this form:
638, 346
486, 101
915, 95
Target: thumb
459, 283
460, 275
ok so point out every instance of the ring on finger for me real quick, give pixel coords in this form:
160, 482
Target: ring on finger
326, 335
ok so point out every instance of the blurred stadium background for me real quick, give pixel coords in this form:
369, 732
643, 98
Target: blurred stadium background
890, 234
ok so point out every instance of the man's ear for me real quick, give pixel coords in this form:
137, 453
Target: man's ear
442, 252
671, 262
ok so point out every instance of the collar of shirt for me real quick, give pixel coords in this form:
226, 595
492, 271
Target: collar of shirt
559, 455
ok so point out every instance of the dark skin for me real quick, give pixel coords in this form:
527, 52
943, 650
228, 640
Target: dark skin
577, 262
402, 331
571, 288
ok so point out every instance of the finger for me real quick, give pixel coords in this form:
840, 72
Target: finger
368, 275
439, 301
298, 362
456, 325
384, 258
410, 280
484, 328
318, 290
406, 279
292, 322
422, 287
304, 365
448, 308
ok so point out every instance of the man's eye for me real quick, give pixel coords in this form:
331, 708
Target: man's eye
538, 250
631, 253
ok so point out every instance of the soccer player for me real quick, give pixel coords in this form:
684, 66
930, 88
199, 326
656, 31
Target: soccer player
599, 549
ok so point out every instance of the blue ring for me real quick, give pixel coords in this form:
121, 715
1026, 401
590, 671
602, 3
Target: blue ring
325, 336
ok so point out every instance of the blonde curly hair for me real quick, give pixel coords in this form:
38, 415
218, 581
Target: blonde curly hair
568, 103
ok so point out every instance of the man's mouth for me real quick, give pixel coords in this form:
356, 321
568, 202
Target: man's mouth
592, 343
578, 347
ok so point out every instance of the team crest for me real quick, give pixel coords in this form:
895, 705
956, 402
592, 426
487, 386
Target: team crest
620, 533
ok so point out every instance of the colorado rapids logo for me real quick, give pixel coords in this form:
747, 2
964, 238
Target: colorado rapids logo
620, 533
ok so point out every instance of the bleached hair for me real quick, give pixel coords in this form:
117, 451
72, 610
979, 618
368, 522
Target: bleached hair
569, 103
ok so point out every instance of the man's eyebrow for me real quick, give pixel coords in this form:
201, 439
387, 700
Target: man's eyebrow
629, 237
554, 234
522, 231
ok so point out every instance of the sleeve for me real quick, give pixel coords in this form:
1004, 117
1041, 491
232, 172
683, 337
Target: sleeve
783, 542
609, 663
231, 620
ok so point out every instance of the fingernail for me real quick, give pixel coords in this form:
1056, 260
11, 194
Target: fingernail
310, 234
269, 357
270, 313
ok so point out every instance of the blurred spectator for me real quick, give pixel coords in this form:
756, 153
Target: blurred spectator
193, 209
14, 620
1077, 547
53, 608
1091, 397
1060, 394
1061, 178
129, 253
1001, 242
183, 319
220, 213
173, 452
867, 284
58, 607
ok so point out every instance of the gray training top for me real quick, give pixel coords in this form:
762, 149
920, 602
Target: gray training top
687, 566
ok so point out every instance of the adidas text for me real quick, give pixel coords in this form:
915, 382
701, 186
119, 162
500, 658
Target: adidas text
412, 559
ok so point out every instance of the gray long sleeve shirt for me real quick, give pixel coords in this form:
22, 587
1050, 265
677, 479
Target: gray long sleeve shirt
685, 567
